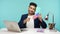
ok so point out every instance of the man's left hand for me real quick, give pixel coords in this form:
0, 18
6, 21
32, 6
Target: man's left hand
40, 17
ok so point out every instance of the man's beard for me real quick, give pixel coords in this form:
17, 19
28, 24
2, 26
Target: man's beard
32, 13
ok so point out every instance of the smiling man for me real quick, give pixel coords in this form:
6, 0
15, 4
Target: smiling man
28, 21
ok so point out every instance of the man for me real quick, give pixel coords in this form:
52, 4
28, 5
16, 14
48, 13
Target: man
27, 20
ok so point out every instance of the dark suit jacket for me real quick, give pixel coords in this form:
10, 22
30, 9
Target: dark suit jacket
37, 22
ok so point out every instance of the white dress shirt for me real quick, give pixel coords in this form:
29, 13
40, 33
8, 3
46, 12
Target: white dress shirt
30, 24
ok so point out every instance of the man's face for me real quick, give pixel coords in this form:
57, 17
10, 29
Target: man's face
31, 9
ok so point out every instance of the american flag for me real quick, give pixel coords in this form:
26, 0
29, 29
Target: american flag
36, 15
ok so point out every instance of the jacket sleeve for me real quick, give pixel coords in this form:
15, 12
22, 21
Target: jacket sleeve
43, 24
21, 25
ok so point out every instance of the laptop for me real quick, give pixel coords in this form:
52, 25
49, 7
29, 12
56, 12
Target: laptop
12, 26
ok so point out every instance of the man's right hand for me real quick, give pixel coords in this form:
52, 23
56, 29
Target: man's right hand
26, 20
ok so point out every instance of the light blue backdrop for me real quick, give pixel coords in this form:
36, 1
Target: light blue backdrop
13, 9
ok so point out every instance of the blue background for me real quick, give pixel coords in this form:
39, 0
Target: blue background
12, 10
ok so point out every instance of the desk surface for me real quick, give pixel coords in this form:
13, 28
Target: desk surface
30, 31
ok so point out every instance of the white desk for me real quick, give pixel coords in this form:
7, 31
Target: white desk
29, 31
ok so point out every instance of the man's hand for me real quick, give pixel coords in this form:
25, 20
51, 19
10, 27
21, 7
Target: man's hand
26, 20
40, 17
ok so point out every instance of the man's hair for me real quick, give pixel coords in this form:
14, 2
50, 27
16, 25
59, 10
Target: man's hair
34, 4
